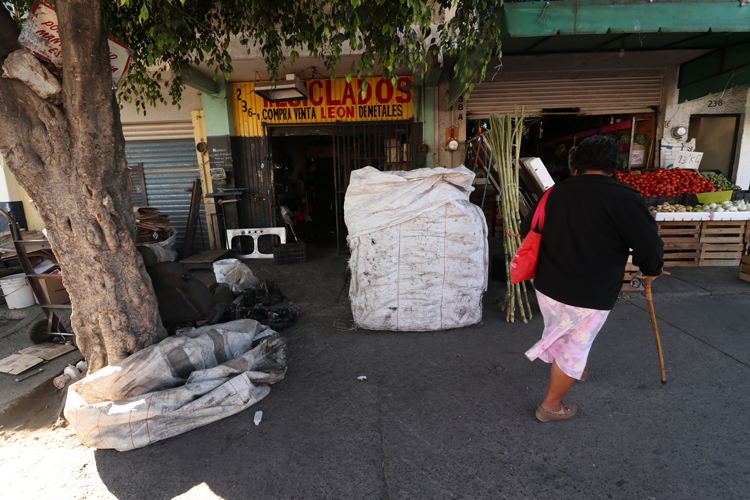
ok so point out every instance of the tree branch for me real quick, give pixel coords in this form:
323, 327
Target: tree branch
88, 98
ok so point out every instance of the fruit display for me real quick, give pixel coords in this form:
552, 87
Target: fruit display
721, 183
666, 207
727, 206
663, 182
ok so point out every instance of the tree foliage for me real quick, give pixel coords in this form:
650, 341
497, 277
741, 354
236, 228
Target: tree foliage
173, 36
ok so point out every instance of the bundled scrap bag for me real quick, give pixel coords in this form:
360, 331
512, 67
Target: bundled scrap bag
184, 382
419, 250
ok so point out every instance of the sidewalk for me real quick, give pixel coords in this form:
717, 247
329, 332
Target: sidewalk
451, 414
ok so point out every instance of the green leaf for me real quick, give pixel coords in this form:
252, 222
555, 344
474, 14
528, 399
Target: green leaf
386, 28
143, 16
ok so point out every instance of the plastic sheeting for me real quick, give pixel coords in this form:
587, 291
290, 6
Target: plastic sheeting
184, 382
235, 274
419, 250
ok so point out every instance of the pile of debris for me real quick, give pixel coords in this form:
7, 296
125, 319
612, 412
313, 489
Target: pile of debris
40, 247
151, 225
253, 298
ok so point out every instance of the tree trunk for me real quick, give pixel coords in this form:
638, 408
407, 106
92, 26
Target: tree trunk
71, 161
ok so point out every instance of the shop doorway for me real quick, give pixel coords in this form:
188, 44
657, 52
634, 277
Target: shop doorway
716, 137
550, 137
312, 166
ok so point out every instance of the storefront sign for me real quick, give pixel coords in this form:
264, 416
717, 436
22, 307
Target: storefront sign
40, 37
327, 102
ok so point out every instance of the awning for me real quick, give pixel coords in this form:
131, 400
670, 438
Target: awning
615, 18
576, 26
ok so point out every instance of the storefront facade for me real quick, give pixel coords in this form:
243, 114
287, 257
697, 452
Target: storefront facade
300, 154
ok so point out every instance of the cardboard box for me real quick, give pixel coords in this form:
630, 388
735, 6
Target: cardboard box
638, 156
539, 172
55, 291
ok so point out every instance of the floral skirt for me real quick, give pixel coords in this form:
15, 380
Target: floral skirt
568, 334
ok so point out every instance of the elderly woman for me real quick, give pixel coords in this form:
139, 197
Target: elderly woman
592, 222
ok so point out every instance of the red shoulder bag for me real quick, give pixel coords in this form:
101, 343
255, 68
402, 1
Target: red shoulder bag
523, 266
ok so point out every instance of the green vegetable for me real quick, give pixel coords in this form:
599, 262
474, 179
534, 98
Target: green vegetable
721, 183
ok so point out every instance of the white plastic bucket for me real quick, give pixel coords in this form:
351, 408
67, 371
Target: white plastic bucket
17, 291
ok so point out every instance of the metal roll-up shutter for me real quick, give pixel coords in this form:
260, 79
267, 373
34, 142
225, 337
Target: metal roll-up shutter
158, 131
585, 96
170, 167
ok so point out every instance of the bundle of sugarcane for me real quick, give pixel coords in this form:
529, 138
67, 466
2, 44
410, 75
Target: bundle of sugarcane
504, 139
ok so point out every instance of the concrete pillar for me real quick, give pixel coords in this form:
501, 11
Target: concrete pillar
449, 119
742, 154
219, 124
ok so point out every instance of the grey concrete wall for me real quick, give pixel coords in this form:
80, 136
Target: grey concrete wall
734, 100
191, 101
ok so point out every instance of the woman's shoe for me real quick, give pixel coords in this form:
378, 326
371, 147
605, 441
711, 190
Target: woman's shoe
567, 410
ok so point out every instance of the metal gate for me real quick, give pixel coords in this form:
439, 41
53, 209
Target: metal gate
584, 96
169, 169
387, 146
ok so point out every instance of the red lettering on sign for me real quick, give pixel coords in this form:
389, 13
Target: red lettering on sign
313, 99
266, 104
350, 112
281, 105
329, 98
348, 94
368, 93
304, 102
340, 112
403, 96
293, 104
331, 112
383, 83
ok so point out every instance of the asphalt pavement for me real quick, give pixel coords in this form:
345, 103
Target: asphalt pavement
451, 414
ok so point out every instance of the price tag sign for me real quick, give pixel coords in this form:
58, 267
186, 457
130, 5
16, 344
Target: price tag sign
688, 159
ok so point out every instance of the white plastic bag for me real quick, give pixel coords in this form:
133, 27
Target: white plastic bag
235, 274
419, 250
164, 250
183, 382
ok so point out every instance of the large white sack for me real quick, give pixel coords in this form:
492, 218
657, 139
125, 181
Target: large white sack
184, 382
419, 251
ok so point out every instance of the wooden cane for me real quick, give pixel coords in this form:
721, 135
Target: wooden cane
647, 281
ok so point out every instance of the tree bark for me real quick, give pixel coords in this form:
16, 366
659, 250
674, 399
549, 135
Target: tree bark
71, 161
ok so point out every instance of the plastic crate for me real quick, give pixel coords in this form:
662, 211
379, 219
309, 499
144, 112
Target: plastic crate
740, 195
715, 197
652, 201
289, 253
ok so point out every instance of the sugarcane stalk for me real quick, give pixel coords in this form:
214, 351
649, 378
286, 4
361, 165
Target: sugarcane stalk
505, 134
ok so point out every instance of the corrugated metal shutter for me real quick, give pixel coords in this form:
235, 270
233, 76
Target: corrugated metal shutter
170, 167
157, 131
593, 96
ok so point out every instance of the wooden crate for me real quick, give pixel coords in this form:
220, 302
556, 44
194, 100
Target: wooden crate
722, 242
728, 254
682, 245
745, 268
723, 231
746, 240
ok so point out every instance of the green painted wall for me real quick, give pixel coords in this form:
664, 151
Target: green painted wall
217, 110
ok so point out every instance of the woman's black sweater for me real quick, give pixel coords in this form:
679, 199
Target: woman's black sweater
591, 223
